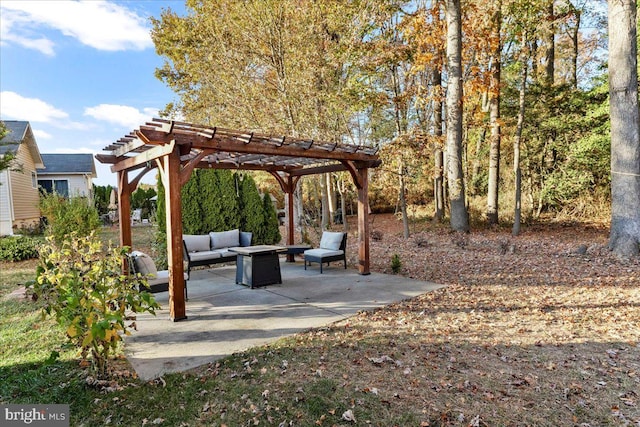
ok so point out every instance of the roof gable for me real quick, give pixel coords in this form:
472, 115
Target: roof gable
19, 131
68, 164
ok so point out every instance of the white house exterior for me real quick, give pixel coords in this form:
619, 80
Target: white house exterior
70, 175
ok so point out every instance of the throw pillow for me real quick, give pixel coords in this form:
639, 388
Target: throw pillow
331, 240
196, 242
144, 264
225, 239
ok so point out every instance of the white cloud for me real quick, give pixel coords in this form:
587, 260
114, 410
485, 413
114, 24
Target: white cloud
18, 107
8, 34
40, 134
99, 24
123, 115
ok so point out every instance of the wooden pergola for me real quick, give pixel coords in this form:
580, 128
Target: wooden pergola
177, 148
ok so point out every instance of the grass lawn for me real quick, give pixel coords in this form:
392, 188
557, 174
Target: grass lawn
529, 331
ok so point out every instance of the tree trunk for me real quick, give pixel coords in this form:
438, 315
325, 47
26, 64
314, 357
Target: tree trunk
324, 202
517, 214
403, 200
459, 217
575, 31
438, 179
549, 46
332, 197
625, 141
494, 120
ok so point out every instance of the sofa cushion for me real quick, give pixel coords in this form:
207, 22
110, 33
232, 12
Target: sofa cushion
331, 240
144, 264
225, 239
196, 242
203, 255
225, 253
321, 253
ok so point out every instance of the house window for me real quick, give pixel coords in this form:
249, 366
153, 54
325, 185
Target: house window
34, 179
58, 186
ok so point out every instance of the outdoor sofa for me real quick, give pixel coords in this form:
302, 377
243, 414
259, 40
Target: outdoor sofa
333, 246
212, 248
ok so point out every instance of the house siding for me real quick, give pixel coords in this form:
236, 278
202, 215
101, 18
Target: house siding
6, 212
25, 197
78, 184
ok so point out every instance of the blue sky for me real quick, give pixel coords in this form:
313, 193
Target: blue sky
81, 72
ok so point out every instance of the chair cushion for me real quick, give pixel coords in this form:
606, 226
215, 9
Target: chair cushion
245, 238
225, 239
331, 240
321, 253
144, 263
196, 242
203, 255
161, 278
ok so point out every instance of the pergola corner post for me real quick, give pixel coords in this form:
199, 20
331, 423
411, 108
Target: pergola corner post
363, 221
124, 208
173, 202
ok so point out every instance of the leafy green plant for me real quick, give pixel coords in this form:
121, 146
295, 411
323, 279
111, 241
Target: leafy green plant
271, 227
64, 216
396, 264
84, 288
18, 248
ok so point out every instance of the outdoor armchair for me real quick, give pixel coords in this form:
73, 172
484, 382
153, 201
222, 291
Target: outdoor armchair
333, 247
158, 281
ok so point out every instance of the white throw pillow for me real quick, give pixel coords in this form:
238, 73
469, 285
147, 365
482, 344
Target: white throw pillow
196, 242
144, 263
331, 240
225, 239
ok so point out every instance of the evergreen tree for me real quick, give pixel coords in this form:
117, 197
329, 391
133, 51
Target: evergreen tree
209, 196
192, 206
271, 227
251, 209
229, 203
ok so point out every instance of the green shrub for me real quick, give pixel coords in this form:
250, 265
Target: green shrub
271, 227
396, 264
18, 248
65, 216
83, 287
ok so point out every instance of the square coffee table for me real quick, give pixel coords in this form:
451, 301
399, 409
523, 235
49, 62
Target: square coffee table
258, 265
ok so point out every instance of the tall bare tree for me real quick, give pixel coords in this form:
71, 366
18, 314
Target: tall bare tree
624, 239
494, 114
459, 215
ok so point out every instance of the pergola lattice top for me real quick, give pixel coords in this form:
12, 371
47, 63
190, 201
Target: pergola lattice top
177, 148
231, 149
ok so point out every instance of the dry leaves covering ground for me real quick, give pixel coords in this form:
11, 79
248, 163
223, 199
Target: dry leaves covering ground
539, 329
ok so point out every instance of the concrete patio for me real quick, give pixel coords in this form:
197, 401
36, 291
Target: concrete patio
225, 318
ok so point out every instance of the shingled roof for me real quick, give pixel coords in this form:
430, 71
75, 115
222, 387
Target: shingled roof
15, 135
19, 131
69, 164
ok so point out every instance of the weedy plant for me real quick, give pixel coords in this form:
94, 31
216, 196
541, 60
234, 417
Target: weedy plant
83, 287
396, 264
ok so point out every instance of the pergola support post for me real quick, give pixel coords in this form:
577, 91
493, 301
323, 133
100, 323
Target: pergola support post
290, 226
124, 208
171, 179
363, 222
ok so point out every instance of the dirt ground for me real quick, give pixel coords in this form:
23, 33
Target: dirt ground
539, 329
